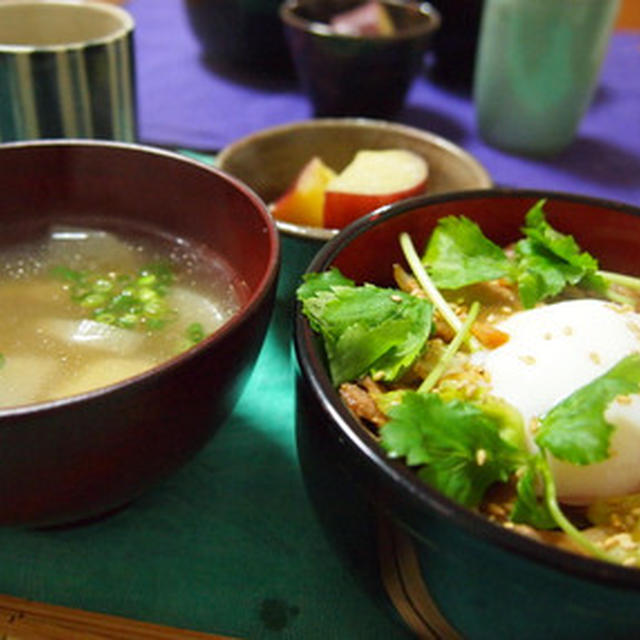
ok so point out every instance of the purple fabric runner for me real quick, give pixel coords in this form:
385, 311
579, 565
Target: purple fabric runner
186, 103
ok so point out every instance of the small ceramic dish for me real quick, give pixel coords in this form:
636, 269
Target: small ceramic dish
269, 160
357, 75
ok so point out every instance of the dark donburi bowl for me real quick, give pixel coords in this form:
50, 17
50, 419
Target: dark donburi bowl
84, 455
346, 75
411, 546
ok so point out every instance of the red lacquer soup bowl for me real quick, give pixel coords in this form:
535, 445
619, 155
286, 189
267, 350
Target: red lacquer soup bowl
76, 457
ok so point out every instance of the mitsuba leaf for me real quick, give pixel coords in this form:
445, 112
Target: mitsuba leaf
366, 329
459, 254
548, 260
541, 274
561, 245
575, 430
457, 447
545, 261
530, 506
313, 283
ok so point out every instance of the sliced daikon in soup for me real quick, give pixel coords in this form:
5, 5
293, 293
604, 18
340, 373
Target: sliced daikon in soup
201, 309
98, 374
71, 246
92, 334
24, 377
83, 308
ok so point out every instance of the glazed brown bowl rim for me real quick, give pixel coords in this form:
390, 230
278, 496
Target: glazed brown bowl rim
320, 233
247, 309
394, 473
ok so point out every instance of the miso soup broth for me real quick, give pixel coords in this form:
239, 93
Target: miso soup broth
83, 308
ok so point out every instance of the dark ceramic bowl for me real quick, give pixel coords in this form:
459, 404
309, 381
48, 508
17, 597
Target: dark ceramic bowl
269, 160
87, 454
346, 75
242, 34
447, 571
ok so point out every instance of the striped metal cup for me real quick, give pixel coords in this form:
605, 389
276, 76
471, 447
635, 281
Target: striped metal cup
67, 70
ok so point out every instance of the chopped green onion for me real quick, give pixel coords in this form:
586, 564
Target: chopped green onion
103, 285
106, 318
145, 294
195, 332
155, 324
128, 321
122, 300
146, 280
93, 301
61, 272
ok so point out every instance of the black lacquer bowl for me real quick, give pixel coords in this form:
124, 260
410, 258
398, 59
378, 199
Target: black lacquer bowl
447, 571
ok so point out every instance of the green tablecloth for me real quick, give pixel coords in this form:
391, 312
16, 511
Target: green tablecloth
229, 544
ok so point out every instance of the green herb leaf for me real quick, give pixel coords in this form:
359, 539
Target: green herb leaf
546, 261
563, 246
313, 283
531, 507
366, 329
575, 430
549, 260
541, 274
3, 360
459, 254
430, 289
456, 445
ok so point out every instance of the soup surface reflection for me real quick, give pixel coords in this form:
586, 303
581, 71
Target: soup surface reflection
83, 308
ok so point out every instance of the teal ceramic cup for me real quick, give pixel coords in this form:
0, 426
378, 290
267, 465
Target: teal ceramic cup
66, 70
537, 66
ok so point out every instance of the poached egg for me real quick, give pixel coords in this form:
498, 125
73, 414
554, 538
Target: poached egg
551, 352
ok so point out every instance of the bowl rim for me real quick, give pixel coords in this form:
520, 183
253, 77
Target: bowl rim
303, 232
127, 24
249, 308
289, 16
356, 439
